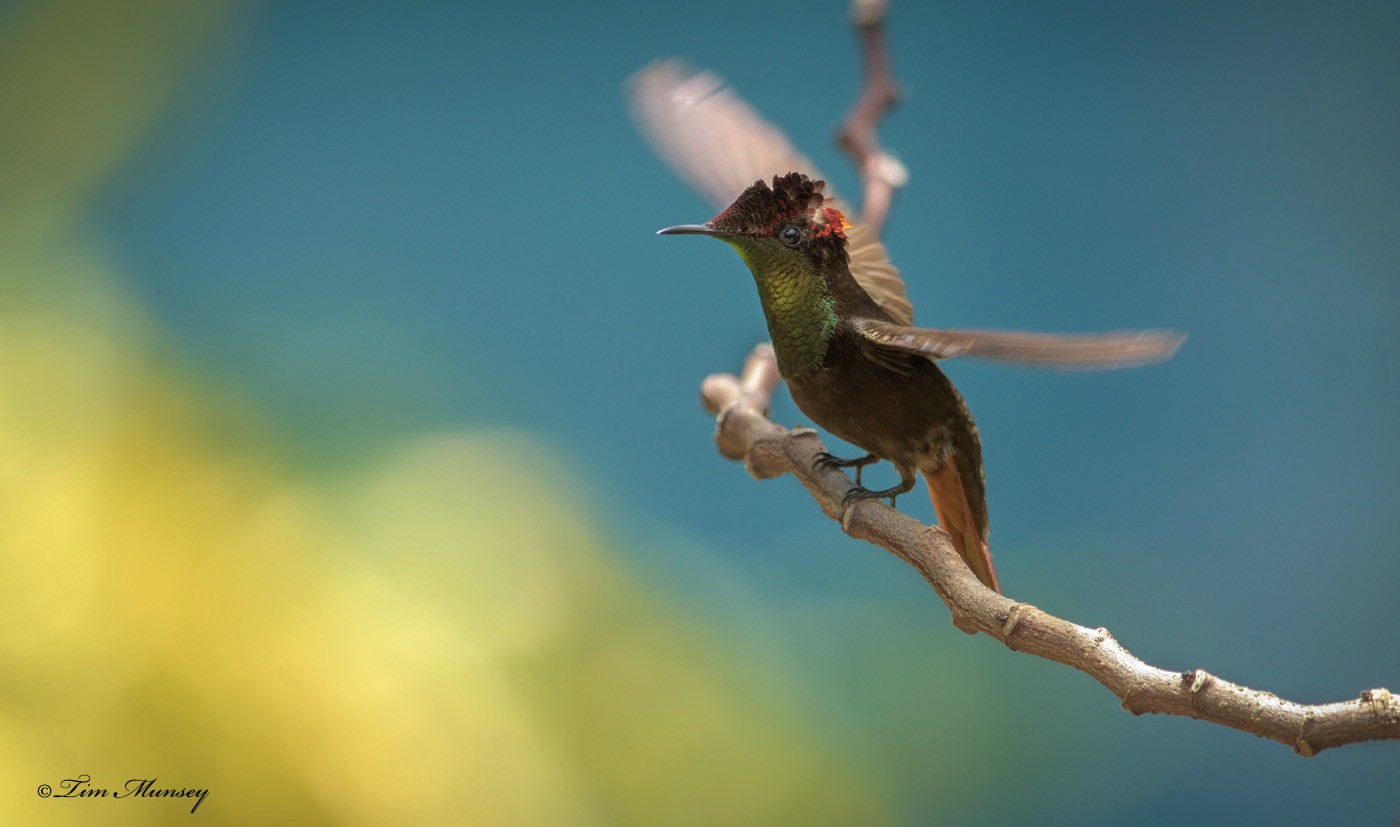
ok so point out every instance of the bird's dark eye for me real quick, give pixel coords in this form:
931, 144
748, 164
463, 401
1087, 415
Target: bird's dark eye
791, 236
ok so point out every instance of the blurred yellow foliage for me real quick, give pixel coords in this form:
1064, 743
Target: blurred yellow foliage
438, 636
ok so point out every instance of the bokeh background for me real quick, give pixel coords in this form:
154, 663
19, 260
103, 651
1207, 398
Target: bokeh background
351, 465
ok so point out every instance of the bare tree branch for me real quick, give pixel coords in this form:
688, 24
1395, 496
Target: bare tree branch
743, 431
881, 173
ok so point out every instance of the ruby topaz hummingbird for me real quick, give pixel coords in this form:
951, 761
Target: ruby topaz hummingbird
840, 323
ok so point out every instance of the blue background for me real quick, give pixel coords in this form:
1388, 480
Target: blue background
377, 223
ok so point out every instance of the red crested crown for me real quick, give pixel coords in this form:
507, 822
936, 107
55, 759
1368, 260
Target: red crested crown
761, 209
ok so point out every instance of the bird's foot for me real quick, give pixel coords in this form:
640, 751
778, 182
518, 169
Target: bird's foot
826, 460
858, 493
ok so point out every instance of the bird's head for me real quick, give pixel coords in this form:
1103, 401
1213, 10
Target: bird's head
788, 224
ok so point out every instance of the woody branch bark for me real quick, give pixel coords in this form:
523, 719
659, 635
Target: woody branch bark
744, 432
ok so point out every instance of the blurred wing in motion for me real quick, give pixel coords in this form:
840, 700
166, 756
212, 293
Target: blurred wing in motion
1096, 351
718, 144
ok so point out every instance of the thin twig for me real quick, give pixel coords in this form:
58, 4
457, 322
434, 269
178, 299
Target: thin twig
880, 172
744, 432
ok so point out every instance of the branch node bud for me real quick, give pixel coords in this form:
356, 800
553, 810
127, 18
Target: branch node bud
1013, 617
1378, 696
1199, 680
1127, 702
964, 623
1301, 745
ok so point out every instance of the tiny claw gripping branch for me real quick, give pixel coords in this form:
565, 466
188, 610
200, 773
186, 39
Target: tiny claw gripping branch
859, 463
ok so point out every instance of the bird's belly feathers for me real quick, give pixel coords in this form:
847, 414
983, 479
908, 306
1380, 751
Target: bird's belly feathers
913, 420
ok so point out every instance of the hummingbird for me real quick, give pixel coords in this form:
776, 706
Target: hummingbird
839, 317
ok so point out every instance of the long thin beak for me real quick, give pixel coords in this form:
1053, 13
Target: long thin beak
689, 229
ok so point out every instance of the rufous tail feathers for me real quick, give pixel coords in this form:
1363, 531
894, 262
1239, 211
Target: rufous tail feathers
956, 517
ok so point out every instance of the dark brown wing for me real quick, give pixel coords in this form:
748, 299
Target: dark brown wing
720, 145
1095, 351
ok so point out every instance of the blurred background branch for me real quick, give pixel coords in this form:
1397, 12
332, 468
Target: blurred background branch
881, 172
